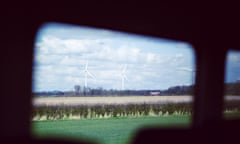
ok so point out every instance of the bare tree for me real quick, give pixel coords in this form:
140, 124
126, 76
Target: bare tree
77, 89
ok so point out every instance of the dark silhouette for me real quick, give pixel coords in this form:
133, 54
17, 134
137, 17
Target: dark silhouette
212, 29
77, 89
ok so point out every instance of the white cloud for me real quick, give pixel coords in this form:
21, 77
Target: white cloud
234, 57
60, 63
233, 66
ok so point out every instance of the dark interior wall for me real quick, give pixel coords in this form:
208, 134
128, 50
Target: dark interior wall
211, 28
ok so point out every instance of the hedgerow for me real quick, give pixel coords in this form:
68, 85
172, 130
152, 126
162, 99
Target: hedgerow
232, 105
111, 110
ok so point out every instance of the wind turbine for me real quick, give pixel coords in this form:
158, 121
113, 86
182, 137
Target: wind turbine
86, 73
192, 71
123, 75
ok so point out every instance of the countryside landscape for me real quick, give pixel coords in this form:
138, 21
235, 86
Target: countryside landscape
103, 86
115, 119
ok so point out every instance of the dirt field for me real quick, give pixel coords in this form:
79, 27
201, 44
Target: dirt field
109, 100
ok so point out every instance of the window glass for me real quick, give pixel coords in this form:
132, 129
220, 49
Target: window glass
103, 85
232, 86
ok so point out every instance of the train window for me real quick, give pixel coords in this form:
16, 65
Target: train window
100, 84
232, 86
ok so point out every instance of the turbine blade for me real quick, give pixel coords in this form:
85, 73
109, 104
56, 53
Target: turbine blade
186, 69
125, 77
124, 68
91, 75
86, 66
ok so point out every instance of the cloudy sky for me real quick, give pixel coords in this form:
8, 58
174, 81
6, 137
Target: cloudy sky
233, 66
62, 52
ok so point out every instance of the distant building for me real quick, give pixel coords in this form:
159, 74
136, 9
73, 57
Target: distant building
154, 93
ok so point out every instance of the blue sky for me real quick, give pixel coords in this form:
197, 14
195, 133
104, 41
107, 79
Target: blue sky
62, 51
232, 66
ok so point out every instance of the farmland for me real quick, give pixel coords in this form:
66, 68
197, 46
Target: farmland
51, 108
104, 131
113, 119
56, 108
109, 100
107, 120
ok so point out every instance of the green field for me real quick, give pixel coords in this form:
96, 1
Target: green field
110, 123
104, 131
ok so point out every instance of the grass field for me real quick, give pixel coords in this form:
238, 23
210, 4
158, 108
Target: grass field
104, 131
118, 128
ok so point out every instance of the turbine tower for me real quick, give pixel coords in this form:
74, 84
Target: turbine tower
86, 73
123, 75
192, 71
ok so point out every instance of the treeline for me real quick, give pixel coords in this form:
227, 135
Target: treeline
232, 88
176, 90
109, 111
58, 112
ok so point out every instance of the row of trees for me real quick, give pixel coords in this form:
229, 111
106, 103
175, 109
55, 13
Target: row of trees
110, 110
82, 91
230, 89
